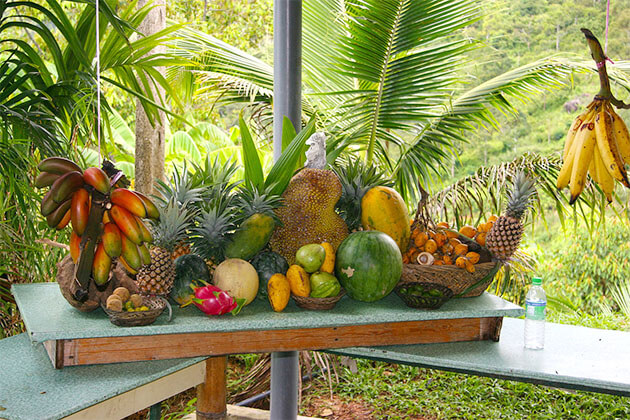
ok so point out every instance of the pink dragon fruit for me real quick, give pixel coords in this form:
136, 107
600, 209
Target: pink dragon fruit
214, 301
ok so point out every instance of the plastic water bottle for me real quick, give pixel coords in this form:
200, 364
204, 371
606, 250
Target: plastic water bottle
535, 309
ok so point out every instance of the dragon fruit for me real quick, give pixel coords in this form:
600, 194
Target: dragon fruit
213, 301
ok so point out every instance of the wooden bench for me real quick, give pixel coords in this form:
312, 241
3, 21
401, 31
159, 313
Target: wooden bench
574, 357
31, 389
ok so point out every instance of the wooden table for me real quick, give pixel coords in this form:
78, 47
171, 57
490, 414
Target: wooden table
75, 338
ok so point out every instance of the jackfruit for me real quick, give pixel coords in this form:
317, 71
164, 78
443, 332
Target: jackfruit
308, 215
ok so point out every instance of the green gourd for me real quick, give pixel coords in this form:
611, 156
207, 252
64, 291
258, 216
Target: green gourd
190, 270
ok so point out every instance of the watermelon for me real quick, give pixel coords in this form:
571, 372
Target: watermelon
190, 270
268, 263
368, 265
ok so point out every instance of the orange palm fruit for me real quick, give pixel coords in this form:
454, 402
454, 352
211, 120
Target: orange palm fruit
438, 262
451, 234
481, 239
443, 225
447, 260
454, 242
461, 262
414, 233
461, 249
440, 238
420, 239
405, 259
470, 267
430, 246
75, 250
468, 231
493, 218
447, 248
130, 201
473, 257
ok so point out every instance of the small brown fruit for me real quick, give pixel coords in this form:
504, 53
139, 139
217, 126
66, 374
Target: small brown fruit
114, 303
122, 293
136, 300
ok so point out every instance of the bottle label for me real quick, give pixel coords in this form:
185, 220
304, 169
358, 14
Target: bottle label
536, 310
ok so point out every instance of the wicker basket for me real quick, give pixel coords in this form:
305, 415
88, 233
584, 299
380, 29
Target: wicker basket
422, 295
156, 305
461, 282
318, 304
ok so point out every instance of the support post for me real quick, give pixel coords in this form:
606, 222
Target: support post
287, 101
212, 394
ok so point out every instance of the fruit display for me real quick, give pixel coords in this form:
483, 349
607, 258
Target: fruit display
190, 271
308, 215
238, 278
368, 265
598, 142
106, 218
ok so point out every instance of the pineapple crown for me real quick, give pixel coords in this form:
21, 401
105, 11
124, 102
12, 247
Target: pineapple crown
520, 199
172, 227
181, 188
251, 200
214, 177
356, 179
214, 225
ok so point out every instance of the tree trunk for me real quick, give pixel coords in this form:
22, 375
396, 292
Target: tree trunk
150, 141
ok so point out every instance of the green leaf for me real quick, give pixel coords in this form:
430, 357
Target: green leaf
288, 132
180, 142
282, 171
253, 168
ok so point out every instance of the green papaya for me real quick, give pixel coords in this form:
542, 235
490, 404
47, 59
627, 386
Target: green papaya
250, 237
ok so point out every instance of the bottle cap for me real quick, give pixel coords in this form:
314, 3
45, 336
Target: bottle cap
536, 281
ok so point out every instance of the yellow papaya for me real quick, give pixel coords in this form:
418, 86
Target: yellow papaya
383, 209
299, 281
278, 292
328, 266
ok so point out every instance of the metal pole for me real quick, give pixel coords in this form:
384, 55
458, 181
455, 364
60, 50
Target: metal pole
287, 99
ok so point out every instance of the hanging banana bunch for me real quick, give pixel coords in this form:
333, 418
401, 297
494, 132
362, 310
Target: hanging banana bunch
598, 141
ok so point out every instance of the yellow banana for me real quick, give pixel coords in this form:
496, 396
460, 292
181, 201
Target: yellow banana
582, 160
588, 114
567, 166
607, 146
605, 181
621, 134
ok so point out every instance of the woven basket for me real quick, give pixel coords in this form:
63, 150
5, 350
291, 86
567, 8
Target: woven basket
460, 281
156, 305
421, 295
318, 304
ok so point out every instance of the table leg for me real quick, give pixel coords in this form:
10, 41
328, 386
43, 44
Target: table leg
212, 394
284, 385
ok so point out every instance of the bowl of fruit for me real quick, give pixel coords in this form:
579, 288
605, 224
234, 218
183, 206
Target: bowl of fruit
130, 310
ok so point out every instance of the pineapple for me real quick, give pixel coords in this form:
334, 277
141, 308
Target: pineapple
157, 278
356, 179
211, 234
505, 235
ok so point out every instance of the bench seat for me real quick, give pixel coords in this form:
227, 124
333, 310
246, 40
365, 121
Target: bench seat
574, 357
31, 389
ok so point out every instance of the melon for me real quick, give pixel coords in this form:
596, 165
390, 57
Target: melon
368, 265
237, 278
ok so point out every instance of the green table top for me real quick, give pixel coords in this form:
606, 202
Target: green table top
48, 316
31, 389
574, 357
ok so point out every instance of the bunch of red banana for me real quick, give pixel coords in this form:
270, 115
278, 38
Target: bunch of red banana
75, 195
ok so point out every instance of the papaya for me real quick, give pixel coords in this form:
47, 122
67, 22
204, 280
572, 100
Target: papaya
383, 209
251, 237
278, 292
